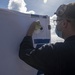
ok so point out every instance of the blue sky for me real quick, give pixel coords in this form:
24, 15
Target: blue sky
43, 7
40, 7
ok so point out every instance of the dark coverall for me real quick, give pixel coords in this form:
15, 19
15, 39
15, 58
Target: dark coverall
52, 59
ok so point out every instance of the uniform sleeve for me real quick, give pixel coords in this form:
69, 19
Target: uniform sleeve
38, 58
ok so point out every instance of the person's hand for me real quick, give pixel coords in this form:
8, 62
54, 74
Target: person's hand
32, 28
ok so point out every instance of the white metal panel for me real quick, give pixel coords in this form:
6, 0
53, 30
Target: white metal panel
13, 27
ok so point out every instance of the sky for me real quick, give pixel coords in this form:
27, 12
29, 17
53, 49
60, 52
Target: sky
40, 7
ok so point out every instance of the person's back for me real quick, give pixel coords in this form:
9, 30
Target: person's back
66, 56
